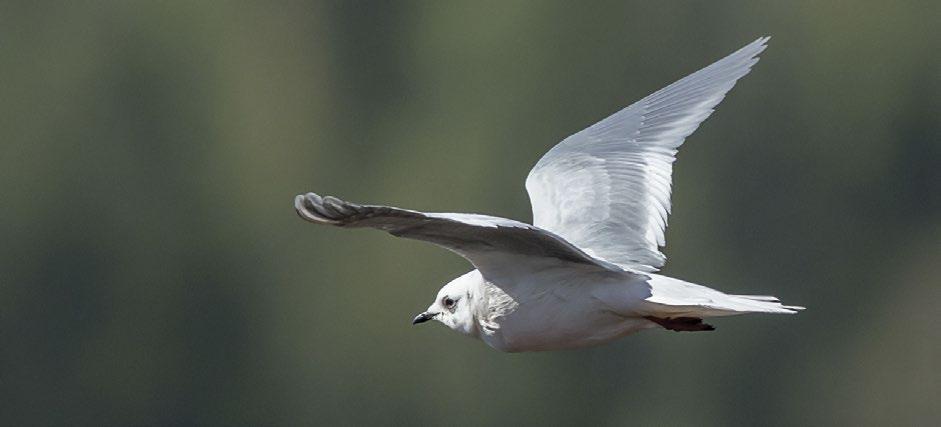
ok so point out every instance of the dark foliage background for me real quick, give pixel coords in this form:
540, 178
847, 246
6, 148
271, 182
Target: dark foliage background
152, 270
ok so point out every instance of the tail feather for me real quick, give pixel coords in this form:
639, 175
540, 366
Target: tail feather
775, 302
674, 297
759, 297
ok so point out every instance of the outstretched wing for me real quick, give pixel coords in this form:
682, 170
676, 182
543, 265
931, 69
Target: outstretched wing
496, 246
606, 189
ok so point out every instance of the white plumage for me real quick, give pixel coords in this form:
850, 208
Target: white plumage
583, 273
614, 178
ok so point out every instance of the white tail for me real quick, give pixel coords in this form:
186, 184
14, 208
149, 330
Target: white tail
673, 297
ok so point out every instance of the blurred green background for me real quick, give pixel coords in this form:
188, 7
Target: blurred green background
153, 272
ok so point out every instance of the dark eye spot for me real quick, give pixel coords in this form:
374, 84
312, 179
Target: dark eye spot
448, 302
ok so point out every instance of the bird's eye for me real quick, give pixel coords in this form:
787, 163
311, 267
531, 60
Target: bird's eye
448, 302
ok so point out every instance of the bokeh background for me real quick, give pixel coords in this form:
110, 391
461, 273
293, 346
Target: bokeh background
153, 272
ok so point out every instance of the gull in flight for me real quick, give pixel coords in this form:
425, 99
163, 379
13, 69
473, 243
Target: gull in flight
584, 272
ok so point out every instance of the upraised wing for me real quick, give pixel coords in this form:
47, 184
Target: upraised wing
607, 188
496, 246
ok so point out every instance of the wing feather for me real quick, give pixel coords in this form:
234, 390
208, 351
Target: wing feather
607, 188
494, 245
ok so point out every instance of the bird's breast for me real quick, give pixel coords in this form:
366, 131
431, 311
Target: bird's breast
552, 316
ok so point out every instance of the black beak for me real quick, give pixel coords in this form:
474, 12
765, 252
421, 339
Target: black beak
424, 317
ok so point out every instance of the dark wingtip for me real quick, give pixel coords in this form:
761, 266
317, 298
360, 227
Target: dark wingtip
310, 207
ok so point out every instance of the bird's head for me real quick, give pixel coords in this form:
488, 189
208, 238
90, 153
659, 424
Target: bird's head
454, 305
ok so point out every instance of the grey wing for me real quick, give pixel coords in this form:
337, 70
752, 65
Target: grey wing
607, 188
494, 245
